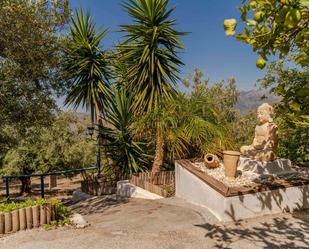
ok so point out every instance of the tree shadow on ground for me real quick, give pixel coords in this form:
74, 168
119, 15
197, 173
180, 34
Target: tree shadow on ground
97, 204
279, 232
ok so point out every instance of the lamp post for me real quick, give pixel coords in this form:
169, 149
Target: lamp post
90, 131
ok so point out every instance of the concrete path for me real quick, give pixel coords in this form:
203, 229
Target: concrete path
163, 224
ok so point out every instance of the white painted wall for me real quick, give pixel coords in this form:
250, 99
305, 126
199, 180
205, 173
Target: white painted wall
194, 190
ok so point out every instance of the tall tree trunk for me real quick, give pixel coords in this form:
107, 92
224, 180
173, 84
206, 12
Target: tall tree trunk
158, 161
105, 160
98, 115
25, 186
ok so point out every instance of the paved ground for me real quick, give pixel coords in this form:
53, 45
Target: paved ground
159, 224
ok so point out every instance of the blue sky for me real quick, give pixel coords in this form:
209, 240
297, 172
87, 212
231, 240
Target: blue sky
207, 47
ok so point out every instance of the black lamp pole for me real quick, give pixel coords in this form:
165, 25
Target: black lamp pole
90, 131
98, 155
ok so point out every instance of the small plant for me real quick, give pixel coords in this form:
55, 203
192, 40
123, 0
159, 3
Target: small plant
170, 190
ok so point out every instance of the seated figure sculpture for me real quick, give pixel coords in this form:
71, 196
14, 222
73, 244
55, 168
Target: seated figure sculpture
265, 141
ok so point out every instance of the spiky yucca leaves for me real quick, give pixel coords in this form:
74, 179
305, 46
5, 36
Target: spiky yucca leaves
150, 53
151, 61
87, 66
128, 154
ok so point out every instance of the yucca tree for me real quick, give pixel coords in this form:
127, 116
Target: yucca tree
126, 152
150, 56
87, 67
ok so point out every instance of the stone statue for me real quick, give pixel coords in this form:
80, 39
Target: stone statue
264, 146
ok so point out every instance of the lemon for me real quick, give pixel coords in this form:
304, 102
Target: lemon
253, 4
261, 63
230, 26
259, 16
292, 18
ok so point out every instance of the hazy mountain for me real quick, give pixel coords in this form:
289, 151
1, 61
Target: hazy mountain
250, 100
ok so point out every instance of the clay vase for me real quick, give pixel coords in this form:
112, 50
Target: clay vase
29, 217
36, 216
15, 221
230, 161
8, 222
2, 225
22, 219
211, 161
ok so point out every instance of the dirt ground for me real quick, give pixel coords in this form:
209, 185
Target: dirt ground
167, 223
65, 187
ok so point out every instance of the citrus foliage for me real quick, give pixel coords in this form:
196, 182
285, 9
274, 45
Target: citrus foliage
292, 112
276, 26
292, 85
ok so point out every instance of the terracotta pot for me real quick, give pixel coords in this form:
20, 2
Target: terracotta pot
36, 216
2, 224
22, 219
211, 160
15, 220
8, 222
42, 215
230, 161
29, 217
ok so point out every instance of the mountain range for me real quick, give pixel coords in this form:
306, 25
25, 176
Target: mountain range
250, 100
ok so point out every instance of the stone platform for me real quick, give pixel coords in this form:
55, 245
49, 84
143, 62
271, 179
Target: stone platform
274, 168
241, 202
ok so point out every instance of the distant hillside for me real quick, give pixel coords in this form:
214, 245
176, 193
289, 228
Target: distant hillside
250, 100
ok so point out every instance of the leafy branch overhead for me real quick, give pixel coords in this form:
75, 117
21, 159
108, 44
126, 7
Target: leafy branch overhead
274, 27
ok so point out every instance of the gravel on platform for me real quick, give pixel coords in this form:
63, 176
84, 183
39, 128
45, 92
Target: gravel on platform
219, 174
245, 179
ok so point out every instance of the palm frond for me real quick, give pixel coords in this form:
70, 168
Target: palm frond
87, 65
149, 53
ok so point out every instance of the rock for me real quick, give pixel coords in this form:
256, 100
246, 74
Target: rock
78, 221
258, 168
80, 196
128, 190
125, 188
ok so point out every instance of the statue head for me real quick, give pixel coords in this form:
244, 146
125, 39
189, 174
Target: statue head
265, 113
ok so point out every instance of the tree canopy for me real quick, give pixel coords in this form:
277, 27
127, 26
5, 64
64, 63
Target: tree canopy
30, 57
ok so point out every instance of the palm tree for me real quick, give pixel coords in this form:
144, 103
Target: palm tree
190, 127
87, 68
152, 65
